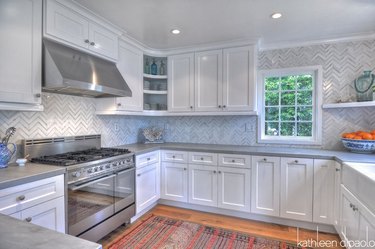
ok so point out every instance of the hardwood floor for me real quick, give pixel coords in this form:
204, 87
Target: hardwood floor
256, 228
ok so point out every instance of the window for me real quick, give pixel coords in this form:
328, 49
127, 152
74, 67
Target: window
289, 102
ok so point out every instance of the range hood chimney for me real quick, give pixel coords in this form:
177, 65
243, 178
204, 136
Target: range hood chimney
72, 72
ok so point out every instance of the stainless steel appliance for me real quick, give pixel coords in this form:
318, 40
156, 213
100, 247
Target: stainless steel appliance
100, 182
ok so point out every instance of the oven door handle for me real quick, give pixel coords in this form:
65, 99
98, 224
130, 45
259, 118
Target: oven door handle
125, 171
76, 187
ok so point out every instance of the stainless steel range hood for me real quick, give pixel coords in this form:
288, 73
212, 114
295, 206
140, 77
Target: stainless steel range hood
69, 71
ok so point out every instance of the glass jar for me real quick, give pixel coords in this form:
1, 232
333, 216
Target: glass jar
363, 86
154, 68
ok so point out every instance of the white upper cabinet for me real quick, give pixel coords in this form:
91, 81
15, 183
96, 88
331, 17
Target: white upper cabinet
265, 185
181, 83
239, 79
208, 80
130, 66
69, 26
21, 54
297, 188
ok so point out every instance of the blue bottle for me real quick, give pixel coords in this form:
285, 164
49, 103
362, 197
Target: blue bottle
154, 68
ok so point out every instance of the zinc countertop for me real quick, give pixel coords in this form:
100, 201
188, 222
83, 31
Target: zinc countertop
17, 234
340, 156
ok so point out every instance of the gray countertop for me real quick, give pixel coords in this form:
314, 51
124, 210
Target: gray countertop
17, 234
15, 175
340, 156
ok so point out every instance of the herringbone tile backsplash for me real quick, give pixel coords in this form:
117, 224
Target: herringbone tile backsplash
341, 62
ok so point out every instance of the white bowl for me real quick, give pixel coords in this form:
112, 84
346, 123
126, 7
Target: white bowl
21, 161
359, 146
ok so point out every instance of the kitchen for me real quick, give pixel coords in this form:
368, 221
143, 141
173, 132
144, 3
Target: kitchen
208, 103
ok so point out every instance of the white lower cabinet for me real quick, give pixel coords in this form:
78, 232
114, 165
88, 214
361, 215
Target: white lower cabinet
357, 221
147, 186
337, 194
40, 202
174, 181
234, 188
203, 185
296, 188
265, 185
222, 187
324, 188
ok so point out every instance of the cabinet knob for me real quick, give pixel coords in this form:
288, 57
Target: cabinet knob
219, 106
202, 158
191, 107
138, 175
38, 95
219, 172
185, 168
92, 43
355, 208
21, 198
265, 159
233, 161
148, 159
87, 41
337, 170
28, 219
296, 161
173, 157
118, 104
224, 106
214, 171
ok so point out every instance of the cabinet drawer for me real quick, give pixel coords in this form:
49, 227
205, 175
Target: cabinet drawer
174, 156
232, 160
17, 198
147, 159
203, 158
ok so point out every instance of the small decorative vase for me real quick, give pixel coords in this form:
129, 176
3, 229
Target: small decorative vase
363, 86
6, 154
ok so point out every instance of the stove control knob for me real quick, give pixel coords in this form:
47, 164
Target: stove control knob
76, 174
107, 166
96, 169
89, 171
101, 167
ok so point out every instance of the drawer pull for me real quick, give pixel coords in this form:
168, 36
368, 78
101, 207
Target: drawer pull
28, 219
148, 159
296, 161
21, 198
173, 157
233, 161
202, 158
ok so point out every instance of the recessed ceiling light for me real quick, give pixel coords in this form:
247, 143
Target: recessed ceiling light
276, 15
175, 31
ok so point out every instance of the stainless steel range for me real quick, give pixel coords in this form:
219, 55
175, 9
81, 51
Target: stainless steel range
100, 182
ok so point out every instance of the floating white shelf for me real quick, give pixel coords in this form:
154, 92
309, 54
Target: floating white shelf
151, 76
155, 92
349, 105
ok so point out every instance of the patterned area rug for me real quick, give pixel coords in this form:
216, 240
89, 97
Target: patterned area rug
164, 233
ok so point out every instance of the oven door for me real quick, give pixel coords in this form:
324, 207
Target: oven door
125, 189
89, 203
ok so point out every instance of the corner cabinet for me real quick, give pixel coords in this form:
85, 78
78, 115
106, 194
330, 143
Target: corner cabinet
66, 25
21, 55
215, 81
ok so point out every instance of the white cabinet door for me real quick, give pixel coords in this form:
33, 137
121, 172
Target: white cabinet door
147, 186
239, 91
65, 24
103, 41
203, 185
181, 83
208, 81
234, 188
348, 217
49, 214
129, 64
20, 51
366, 225
265, 185
296, 188
324, 187
174, 178
336, 204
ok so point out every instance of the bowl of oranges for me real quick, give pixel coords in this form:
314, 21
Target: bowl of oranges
359, 141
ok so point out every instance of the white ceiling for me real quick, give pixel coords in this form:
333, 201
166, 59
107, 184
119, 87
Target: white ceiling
213, 21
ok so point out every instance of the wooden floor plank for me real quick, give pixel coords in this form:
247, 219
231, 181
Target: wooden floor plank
256, 228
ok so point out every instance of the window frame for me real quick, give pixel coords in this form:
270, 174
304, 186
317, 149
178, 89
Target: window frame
316, 138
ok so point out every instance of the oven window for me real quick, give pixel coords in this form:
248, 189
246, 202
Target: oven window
94, 200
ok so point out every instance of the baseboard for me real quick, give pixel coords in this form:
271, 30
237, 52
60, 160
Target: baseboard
257, 217
138, 215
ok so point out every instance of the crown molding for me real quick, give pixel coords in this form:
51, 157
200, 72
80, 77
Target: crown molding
291, 44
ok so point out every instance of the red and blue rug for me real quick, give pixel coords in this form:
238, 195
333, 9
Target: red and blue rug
165, 233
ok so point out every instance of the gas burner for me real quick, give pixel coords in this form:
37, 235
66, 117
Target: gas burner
71, 158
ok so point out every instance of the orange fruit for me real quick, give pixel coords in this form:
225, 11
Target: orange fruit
357, 138
344, 135
372, 132
366, 136
350, 135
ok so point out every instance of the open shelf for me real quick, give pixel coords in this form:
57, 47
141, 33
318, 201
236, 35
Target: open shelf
151, 76
155, 92
349, 105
